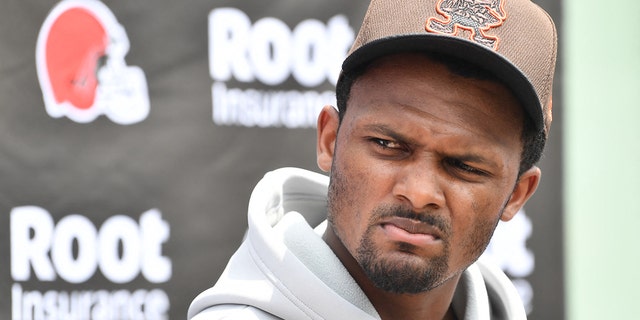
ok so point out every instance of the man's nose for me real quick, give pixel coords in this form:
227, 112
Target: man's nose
420, 185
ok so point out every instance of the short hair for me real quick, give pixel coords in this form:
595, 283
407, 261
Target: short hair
533, 139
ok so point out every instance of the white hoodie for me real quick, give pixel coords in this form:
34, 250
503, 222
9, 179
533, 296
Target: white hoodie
284, 269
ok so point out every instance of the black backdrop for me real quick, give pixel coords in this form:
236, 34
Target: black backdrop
114, 212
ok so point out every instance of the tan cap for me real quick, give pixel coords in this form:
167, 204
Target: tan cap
513, 39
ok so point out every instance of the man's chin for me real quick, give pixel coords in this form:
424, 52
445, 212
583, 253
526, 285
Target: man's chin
409, 276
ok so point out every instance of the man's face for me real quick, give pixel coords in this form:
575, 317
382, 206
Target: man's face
425, 164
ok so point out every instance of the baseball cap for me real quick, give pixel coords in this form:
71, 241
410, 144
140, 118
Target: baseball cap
515, 40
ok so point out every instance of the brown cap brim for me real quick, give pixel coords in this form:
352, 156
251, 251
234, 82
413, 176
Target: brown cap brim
478, 55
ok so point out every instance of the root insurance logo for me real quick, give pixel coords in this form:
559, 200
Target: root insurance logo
262, 56
81, 67
69, 254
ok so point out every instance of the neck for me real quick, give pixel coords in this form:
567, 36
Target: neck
432, 304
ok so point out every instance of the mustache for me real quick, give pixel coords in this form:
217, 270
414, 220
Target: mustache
402, 212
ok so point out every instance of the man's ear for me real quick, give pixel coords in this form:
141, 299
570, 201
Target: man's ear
328, 123
524, 189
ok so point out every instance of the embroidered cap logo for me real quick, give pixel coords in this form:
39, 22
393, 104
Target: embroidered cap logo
475, 16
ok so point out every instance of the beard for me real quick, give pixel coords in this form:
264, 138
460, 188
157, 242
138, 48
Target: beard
403, 276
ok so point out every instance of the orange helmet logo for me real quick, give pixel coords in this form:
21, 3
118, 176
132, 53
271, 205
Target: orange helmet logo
81, 67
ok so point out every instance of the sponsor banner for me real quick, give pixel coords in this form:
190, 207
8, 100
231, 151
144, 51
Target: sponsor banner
134, 132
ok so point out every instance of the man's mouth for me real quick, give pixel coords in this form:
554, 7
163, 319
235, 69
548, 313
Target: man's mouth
410, 231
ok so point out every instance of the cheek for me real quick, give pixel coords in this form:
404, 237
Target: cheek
474, 225
350, 200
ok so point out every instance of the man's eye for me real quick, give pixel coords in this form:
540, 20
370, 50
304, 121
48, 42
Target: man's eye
386, 144
461, 166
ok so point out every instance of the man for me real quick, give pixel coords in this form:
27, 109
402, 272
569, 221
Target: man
443, 110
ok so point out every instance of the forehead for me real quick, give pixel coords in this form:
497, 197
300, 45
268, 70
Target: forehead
415, 86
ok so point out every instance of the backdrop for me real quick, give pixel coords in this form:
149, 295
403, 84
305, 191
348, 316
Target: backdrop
132, 133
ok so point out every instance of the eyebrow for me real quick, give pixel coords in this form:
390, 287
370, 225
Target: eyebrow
470, 157
387, 130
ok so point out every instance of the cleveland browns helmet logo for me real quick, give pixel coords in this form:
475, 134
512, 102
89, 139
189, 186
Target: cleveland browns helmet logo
475, 16
80, 58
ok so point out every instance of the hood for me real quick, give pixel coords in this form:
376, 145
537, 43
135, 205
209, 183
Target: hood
283, 266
